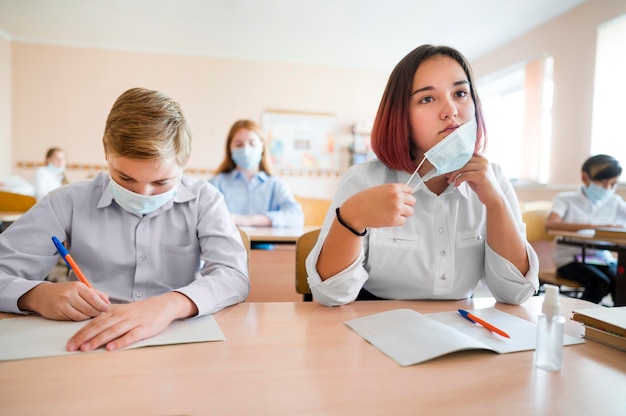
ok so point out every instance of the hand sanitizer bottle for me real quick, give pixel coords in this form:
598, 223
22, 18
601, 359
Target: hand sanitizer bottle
550, 324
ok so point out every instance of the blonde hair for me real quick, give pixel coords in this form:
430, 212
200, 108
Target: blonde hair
228, 164
145, 124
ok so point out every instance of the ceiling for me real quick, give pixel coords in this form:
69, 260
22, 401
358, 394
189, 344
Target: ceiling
349, 33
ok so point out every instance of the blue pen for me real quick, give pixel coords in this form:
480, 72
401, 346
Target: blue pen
70, 261
475, 319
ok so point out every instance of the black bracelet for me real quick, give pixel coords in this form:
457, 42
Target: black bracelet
352, 230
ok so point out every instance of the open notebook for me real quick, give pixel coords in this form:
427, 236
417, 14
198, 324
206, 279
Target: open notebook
409, 337
34, 336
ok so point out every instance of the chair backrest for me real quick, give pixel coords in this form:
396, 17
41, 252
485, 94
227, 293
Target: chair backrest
10, 202
304, 244
314, 209
245, 239
535, 220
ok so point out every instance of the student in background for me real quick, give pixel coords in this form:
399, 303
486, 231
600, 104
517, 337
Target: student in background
254, 197
594, 205
431, 217
52, 174
156, 245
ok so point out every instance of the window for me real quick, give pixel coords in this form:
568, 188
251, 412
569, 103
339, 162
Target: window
518, 107
609, 90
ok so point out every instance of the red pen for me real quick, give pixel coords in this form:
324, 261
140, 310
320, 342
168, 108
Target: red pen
476, 319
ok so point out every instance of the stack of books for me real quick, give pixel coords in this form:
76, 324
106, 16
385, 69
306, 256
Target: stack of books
604, 325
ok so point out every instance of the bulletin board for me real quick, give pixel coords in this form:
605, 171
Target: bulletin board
303, 141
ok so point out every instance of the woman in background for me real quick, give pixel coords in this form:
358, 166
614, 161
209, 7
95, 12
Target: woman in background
254, 197
594, 205
52, 175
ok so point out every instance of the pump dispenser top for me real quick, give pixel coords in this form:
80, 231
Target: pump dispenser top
552, 302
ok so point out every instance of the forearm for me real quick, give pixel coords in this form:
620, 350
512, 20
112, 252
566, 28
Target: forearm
340, 249
178, 305
504, 237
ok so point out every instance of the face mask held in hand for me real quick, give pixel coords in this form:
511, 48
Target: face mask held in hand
136, 203
450, 154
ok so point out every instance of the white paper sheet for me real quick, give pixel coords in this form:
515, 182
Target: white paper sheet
34, 336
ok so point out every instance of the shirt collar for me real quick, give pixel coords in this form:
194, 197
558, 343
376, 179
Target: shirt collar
261, 176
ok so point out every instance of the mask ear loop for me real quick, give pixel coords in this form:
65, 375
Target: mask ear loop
415, 173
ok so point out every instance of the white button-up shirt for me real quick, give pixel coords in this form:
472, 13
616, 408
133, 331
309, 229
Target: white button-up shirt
189, 245
575, 207
439, 253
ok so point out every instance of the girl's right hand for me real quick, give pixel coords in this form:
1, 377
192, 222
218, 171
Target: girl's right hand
386, 205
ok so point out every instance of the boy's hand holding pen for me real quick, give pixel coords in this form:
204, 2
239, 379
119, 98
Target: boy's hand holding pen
74, 267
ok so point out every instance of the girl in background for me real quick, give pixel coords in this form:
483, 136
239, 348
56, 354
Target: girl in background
52, 174
254, 197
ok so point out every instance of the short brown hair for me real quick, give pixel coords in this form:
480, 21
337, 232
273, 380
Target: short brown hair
391, 137
602, 167
145, 124
228, 164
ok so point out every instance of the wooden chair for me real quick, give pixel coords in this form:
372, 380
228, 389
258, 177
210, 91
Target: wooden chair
12, 205
542, 242
303, 247
314, 209
17, 203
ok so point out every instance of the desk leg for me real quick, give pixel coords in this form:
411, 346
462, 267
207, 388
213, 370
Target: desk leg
620, 282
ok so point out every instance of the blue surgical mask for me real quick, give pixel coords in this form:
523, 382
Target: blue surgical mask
450, 154
247, 157
56, 169
597, 193
139, 204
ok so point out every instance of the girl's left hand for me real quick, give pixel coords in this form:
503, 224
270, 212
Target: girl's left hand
479, 176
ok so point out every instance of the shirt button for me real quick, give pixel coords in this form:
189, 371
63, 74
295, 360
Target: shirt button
442, 252
443, 277
440, 230
142, 258
438, 206
138, 294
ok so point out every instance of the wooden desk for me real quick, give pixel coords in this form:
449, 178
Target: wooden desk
276, 235
300, 358
588, 240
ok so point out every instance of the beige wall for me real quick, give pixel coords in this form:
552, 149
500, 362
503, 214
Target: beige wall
571, 40
5, 107
61, 95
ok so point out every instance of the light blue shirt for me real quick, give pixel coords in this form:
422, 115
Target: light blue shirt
575, 207
189, 245
263, 194
439, 253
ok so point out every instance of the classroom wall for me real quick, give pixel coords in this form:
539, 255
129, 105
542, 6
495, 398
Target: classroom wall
5, 106
61, 95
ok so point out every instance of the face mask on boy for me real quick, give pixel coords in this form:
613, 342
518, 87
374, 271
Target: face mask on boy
450, 154
597, 193
139, 204
247, 157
